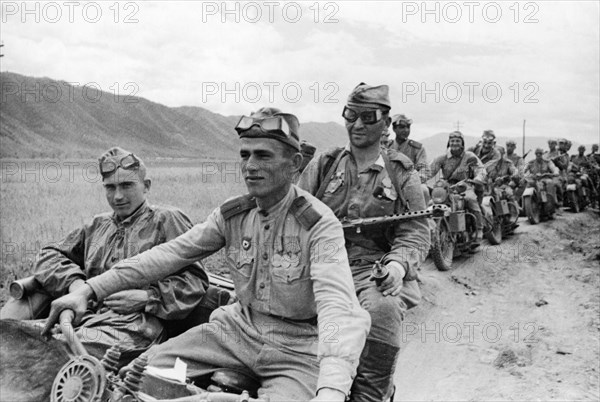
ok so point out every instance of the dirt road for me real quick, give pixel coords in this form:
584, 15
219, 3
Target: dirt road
518, 321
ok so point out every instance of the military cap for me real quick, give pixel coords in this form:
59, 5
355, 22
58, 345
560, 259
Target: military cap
539, 151
397, 118
456, 134
489, 134
563, 140
115, 155
293, 140
552, 140
581, 147
510, 142
370, 96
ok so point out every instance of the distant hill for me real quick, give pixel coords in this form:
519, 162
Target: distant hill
41, 117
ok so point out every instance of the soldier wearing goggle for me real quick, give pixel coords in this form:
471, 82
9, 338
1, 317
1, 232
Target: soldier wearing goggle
365, 180
273, 238
110, 163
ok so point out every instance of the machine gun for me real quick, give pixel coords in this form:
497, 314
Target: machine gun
351, 226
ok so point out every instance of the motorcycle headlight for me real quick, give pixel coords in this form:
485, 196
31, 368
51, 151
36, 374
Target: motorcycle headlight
439, 195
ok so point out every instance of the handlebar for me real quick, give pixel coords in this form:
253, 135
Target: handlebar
66, 327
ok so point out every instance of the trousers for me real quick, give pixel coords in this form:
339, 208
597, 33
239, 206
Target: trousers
375, 372
282, 354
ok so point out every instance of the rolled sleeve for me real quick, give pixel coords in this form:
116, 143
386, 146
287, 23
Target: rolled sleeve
58, 265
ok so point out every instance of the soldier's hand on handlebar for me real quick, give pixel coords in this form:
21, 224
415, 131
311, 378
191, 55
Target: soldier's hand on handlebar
392, 285
76, 301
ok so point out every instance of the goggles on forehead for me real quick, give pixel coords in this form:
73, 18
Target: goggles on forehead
110, 163
276, 124
401, 124
367, 116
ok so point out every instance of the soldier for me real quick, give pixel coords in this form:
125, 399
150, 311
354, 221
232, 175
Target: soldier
458, 165
364, 180
413, 149
135, 316
486, 150
308, 153
581, 163
487, 153
552, 151
503, 173
290, 270
517, 160
385, 138
540, 166
594, 154
580, 159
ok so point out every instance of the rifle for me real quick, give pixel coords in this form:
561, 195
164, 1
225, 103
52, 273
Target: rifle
357, 225
526, 153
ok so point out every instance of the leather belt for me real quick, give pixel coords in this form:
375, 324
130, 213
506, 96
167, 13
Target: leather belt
311, 320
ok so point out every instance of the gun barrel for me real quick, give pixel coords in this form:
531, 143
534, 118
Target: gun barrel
356, 225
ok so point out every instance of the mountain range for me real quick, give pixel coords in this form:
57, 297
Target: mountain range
46, 118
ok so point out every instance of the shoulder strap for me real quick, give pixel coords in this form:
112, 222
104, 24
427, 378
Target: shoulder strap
237, 205
333, 160
394, 178
304, 212
456, 167
415, 144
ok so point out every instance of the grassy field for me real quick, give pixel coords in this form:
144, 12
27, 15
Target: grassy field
43, 200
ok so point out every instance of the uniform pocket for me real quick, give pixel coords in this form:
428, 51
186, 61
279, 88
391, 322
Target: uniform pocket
288, 268
240, 263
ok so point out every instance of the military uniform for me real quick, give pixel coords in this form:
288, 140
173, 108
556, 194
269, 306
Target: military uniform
517, 161
546, 166
355, 194
289, 268
95, 248
489, 159
462, 167
504, 167
416, 153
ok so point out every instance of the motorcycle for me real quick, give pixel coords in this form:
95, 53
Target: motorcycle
536, 203
504, 211
80, 377
455, 230
577, 194
86, 379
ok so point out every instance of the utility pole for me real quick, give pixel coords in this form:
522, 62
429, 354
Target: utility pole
457, 125
523, 152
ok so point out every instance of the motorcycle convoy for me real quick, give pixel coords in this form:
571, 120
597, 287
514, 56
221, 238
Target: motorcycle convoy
454, 231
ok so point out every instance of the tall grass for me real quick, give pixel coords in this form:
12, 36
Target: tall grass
43, 200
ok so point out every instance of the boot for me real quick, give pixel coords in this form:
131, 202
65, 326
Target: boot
374, 380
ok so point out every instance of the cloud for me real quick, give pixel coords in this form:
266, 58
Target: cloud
176, 52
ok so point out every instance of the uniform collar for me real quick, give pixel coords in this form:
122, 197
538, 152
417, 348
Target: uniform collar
282, 206
142, 209
378, 165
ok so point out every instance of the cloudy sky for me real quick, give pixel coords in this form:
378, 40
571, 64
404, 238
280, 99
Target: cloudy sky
481, 64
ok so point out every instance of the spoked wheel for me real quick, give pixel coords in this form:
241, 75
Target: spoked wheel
82, 379
442, 247
532, 210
